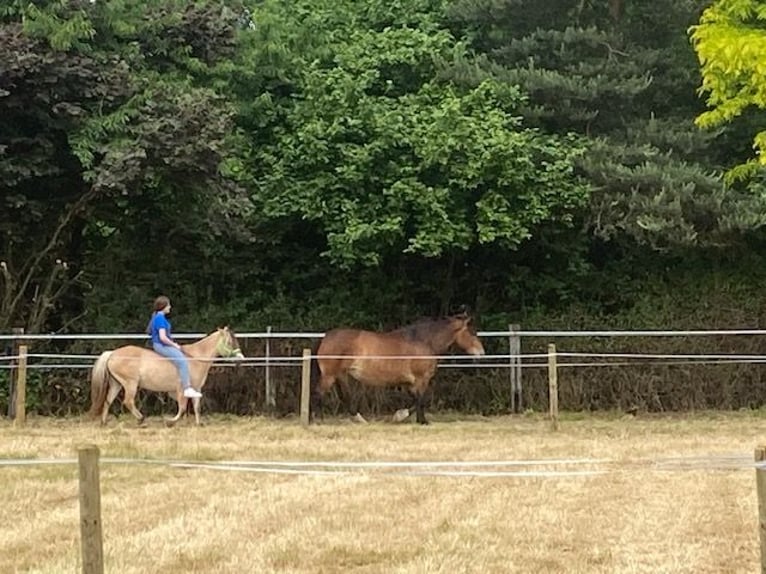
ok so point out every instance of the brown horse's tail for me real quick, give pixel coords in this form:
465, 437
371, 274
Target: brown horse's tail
99, 384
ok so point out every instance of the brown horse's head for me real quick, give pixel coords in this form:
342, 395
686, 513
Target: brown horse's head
465, 334
442, 334
227, 345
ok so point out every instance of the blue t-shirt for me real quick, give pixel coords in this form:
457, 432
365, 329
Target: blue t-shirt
159, 321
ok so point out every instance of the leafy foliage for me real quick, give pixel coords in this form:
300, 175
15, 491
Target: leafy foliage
730, 41
620, 75
314, 163
94, 118
387, 158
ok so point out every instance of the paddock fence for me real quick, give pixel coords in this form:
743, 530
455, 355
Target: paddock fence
631, 370
89, 463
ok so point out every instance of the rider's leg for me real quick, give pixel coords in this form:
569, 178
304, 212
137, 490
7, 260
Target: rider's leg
179, 360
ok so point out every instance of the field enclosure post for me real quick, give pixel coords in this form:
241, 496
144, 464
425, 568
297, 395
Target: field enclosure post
553, 387
21, 388
17, 332
90, 511
760, 482
270, 401
514, 353
305, 386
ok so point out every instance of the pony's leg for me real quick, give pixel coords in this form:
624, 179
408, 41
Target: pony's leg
195, 406
114, 390
130, 401
182, 402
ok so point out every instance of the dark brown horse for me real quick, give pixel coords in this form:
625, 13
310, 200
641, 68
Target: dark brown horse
404, 356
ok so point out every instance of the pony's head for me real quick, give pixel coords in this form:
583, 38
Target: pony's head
227, 345
465, 333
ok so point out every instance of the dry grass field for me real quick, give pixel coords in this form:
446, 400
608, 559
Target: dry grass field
674, 496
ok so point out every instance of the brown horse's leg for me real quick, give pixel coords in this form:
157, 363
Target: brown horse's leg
324, 384
346, 396
419, 391
420, 407
130, 401
114, 390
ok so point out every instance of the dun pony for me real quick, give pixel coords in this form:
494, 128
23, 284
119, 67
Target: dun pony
132, 368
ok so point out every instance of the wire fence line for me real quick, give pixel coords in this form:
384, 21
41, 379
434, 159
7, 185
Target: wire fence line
456, 361
542, 468
493, 361
318, 335
466, 358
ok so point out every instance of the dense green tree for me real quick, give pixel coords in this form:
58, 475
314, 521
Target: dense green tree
387, 158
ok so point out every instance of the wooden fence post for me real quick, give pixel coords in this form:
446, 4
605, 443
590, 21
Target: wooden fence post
90, 511
21, 388
270, 399
16, 332
760, 482
305, 386
553, 387
514, 351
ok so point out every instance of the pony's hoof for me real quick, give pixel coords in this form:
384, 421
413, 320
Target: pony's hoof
142, 422
358, 418
170, 423
401, 415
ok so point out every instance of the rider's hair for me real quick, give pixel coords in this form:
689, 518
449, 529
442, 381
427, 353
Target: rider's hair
159, 304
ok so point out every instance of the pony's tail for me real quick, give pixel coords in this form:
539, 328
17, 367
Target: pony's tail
99, 384
315, 404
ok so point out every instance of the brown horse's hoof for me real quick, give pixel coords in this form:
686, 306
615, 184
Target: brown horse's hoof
170, 423
401, 415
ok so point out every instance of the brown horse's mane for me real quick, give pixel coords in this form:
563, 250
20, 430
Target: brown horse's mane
428, 330
423, 327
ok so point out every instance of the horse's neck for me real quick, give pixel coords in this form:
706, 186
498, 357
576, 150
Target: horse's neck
443, 340
438, 339
204, 348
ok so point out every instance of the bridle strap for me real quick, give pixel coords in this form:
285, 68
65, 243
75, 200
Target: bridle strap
224, 349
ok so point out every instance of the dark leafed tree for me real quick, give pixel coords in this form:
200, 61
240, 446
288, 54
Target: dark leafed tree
107, 113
